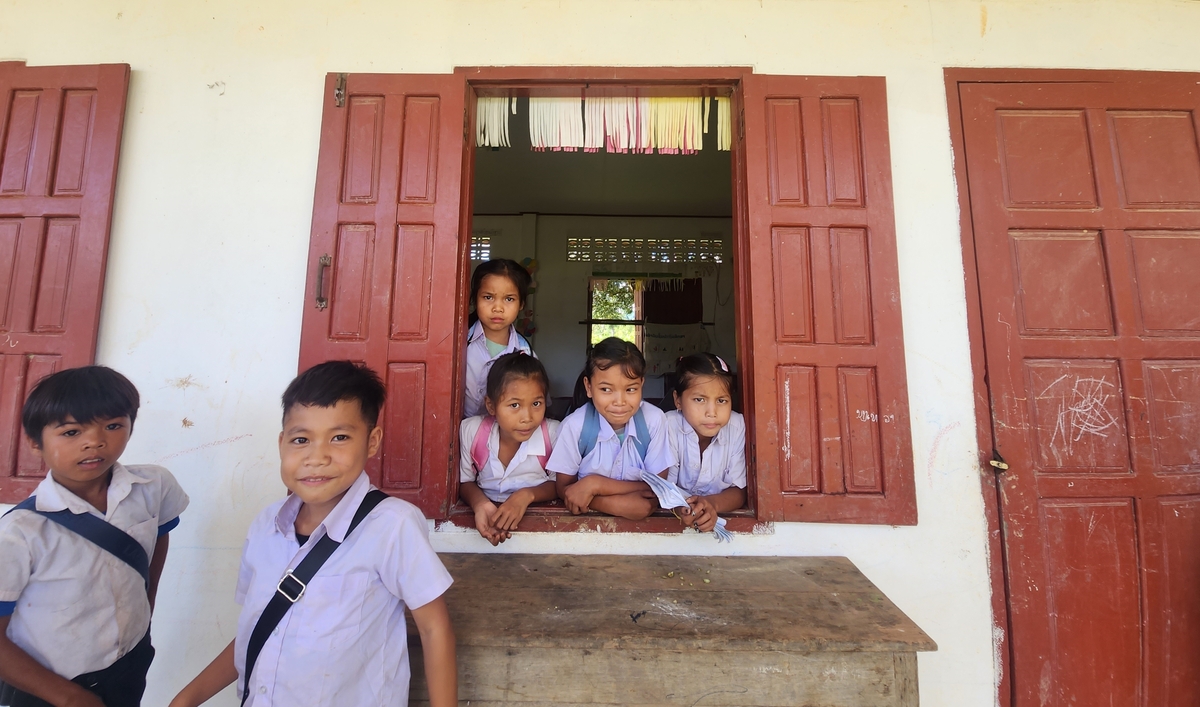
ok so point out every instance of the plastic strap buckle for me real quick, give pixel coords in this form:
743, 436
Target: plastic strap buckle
291, 587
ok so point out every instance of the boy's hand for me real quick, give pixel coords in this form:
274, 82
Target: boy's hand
704, 513
578, 496
510, 513
484, 515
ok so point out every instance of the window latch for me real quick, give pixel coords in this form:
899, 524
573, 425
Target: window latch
998, 462
339, 91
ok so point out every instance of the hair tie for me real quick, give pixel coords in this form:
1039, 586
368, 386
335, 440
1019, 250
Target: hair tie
722, 362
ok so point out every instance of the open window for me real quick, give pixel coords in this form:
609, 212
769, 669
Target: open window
778, 254
60, 136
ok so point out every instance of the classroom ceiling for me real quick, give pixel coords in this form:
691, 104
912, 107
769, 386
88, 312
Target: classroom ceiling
514, 180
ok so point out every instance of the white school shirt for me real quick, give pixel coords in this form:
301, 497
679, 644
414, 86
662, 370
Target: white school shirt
344, 642
479, 362
611, 457
722, 465
496, 481
75, 607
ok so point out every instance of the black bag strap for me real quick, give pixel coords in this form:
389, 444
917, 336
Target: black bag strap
293, 584
100, 532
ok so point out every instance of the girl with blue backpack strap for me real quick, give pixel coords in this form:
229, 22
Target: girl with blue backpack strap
503, 455
606, 443
498, 291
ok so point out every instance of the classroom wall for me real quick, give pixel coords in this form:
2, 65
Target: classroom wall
202, 302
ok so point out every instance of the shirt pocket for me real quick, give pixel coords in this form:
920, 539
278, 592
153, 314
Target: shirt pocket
145, 533
331, 618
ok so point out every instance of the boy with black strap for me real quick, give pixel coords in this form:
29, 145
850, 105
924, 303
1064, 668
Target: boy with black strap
327, 572
81, 558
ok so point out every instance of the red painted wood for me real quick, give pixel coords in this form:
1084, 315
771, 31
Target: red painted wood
387, 211
60, 135
831, 425
1069, 184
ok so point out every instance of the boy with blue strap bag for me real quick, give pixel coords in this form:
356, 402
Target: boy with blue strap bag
83, 555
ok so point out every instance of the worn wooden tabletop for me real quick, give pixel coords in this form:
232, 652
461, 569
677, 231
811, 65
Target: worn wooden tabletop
796, 604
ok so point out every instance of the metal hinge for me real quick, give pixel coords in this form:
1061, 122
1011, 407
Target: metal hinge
998, 462
339, 91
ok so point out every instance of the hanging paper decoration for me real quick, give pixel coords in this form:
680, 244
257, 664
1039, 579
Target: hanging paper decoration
724, 124
668, 125
491, 120
617, 124
556, 124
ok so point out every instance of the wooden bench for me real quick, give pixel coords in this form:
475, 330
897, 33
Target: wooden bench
663, 630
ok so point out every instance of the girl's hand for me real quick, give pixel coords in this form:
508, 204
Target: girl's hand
578, 496
685, 516
484, 515
510, 513
703, 513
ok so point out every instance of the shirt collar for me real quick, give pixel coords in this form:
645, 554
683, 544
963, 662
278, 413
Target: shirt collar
53, 496
476, 334
337, 523
535, 446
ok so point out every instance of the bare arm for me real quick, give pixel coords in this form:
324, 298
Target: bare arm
19, 669
437, 643
157, 561
216, 677
605, 486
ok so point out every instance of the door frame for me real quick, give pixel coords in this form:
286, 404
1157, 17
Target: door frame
544, 80
989, 484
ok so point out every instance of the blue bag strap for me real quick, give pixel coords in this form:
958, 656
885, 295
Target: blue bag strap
590, 431
100, 532
642, 441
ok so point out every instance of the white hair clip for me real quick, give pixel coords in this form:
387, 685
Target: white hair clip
722, 362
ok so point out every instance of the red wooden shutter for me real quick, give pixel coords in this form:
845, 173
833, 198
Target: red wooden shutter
831, 406
60, 134
386, 222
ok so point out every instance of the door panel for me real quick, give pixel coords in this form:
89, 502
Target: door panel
387, 212
1085, 205
60, 134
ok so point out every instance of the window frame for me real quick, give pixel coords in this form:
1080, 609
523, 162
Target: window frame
638, 322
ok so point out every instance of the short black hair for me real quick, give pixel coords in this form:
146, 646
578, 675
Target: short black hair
326, 384
85, 394
517, 364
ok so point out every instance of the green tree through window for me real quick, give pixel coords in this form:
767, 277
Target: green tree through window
615, 299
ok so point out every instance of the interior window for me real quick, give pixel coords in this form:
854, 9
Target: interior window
612, 303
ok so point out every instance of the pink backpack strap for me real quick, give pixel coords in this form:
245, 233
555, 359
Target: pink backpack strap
479, 446
542, 459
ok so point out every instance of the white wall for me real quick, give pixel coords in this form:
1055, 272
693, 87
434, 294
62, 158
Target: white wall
203, 298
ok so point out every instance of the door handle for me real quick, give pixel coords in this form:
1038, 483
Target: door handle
323, 264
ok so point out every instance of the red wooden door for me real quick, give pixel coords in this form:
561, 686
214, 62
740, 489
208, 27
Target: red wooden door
1085, 203
60, 135
385, 256
829, 395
